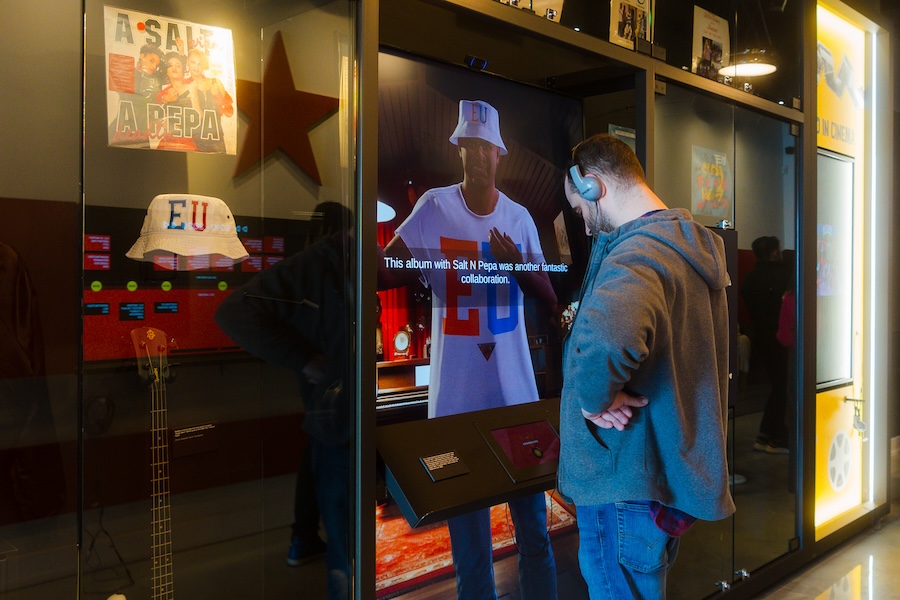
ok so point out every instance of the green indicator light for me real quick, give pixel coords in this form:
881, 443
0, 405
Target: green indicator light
96, 286
131, 286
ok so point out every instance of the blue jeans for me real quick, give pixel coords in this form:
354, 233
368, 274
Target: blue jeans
306, 509
622, 553
331, 470
473, 559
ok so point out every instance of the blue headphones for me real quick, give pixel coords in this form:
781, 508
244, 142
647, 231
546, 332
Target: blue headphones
586, 186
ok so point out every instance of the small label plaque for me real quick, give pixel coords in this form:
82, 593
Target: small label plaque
443, 466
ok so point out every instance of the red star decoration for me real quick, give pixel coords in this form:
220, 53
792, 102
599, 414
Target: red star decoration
289, 115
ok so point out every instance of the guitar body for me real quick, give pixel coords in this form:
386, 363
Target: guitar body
151, 350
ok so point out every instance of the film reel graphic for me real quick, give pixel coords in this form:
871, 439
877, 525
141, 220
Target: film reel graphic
839, 461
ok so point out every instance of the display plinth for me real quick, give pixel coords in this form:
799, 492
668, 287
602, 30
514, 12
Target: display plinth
440, 468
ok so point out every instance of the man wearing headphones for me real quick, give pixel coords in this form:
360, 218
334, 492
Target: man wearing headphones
652, 323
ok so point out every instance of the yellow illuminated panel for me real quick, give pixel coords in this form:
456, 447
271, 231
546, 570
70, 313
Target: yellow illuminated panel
838, 456
839, 84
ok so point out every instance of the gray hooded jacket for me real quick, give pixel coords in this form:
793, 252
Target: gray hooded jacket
652, 320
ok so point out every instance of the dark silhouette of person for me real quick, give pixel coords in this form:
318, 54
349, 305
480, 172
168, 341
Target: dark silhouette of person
32, 481
296, 314
762, 291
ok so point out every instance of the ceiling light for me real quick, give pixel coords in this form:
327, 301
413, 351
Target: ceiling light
750, 63
384, 212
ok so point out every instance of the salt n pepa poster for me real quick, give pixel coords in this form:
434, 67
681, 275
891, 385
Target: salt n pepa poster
170, 84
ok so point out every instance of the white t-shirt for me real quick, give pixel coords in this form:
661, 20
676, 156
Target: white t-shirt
479, 346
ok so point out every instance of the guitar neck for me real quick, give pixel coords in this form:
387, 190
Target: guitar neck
150, 349
161, 517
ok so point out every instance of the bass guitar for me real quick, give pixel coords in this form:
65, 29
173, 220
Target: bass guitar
150, 348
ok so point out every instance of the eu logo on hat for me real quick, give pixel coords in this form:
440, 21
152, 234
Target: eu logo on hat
478, 119
188, 225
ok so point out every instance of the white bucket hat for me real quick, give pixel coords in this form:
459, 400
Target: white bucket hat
188, 225
478, 119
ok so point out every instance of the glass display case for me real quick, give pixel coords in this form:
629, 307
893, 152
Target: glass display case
737, 170
198, 458
243, 147
190, 197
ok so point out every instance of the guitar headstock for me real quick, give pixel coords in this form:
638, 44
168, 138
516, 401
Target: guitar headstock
151, 351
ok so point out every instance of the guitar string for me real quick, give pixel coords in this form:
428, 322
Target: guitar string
162, 575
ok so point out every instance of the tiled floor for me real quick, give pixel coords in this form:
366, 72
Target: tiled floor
863, 568
251, 565
866, 567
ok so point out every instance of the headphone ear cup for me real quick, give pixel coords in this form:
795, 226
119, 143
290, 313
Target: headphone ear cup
586, 186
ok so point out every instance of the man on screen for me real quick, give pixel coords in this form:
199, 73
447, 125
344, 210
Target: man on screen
467, 238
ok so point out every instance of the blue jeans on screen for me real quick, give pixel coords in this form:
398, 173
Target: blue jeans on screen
471, 545
622, 553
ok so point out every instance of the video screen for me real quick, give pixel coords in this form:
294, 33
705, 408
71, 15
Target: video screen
483, 252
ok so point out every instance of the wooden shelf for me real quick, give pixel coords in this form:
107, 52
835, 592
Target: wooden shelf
399, 376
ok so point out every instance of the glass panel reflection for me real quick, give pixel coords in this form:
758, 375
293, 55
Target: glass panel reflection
765, 453
218, 315
761, 156
38, 384
691, 130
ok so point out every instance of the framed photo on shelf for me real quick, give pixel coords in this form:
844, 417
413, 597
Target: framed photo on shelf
711, 47
630, 20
